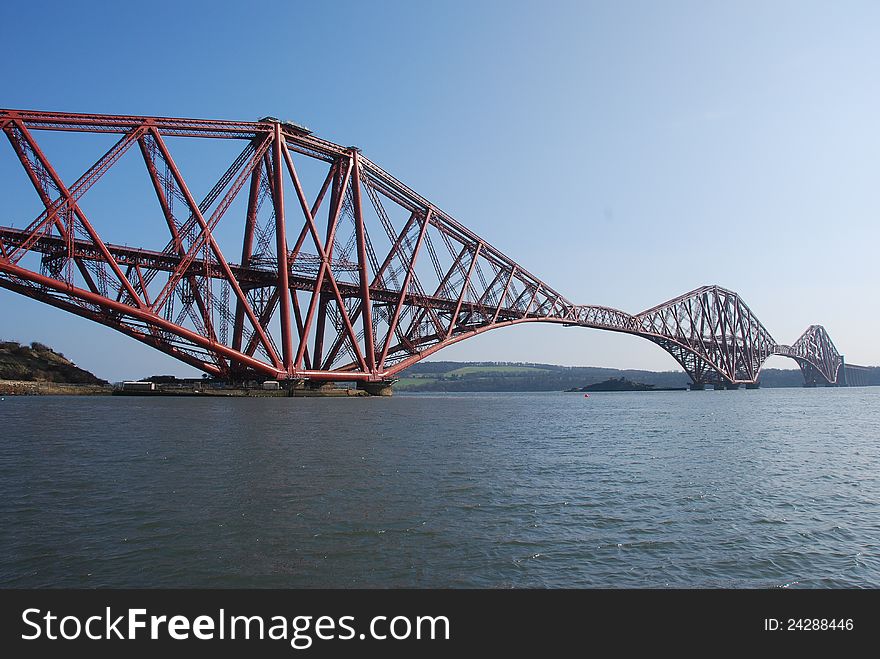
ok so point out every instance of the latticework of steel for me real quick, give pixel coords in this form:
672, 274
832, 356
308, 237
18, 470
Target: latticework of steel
340, 271
816, 354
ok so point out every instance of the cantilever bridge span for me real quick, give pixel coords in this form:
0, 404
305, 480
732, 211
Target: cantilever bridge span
302, 259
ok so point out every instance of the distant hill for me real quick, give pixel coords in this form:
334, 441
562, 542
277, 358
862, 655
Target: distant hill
39, 363
518, 376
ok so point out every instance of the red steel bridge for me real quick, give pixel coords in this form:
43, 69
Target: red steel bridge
302, 259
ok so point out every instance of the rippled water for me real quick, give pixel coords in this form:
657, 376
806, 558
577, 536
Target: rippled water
680, 489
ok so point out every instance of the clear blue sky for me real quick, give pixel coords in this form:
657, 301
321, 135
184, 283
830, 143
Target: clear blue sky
626, 152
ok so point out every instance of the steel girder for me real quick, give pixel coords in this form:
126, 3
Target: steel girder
353, 278
712, 333
817, 356
343, 273
717, 339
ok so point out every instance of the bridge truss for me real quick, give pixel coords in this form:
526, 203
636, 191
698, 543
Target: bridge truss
340, 271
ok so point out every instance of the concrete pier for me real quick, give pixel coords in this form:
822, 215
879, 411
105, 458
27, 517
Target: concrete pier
380, 388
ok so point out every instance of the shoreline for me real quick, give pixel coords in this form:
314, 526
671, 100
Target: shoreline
41, 388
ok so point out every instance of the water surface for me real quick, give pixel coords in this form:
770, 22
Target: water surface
741, 488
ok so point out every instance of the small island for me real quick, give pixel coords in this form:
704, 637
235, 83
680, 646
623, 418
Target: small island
622, 384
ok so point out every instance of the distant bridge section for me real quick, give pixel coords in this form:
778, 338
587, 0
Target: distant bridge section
713, 334
817, 356
859, 376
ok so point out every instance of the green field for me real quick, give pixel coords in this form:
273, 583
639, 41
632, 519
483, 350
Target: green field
496, 370
449, 376
404, 383
469, 373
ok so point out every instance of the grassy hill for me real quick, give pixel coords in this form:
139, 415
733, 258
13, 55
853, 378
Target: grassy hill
508, 376
39, 363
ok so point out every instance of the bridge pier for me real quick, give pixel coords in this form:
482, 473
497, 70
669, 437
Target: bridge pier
317, 386
697, 386
720, 386
379, 388
753, 385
